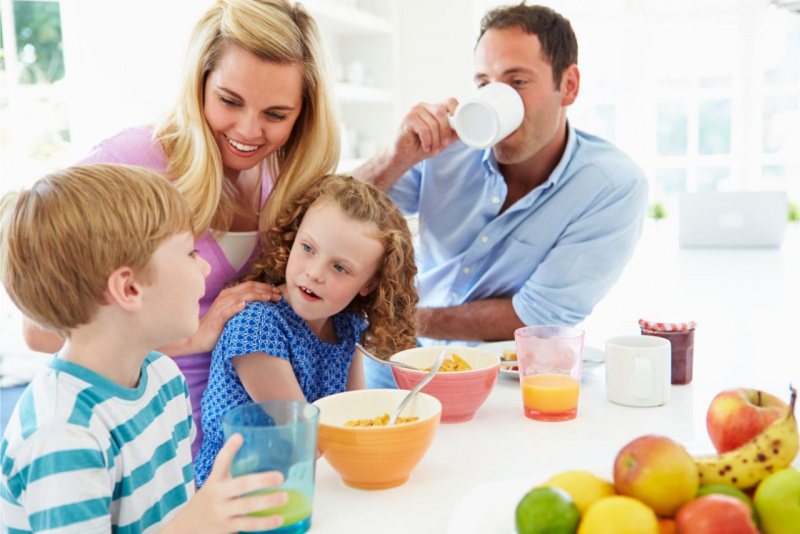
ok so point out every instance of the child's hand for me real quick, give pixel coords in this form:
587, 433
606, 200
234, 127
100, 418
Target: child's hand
219, 506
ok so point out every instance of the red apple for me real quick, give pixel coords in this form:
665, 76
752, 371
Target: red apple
658, 471
715, 514
738, 415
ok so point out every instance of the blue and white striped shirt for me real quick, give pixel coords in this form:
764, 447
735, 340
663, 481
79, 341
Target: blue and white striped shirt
83, 454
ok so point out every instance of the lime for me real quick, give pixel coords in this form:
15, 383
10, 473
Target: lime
733, 492
547, 511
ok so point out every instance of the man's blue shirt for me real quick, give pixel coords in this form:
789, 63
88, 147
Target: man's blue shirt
555, 252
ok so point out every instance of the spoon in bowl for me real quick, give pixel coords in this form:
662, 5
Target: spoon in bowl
422, 383
384, 362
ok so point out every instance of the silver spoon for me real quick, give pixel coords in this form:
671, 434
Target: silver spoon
422, 383
384, 362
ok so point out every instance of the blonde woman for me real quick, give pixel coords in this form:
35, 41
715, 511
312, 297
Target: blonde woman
253, 127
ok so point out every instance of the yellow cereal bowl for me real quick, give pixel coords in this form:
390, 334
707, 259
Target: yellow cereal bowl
461, 393
376, 457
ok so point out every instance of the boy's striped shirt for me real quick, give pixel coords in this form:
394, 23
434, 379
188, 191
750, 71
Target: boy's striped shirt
83, 454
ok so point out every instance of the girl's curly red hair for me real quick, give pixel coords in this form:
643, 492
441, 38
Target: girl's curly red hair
391, 308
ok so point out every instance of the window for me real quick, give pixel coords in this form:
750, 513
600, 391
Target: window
34, 132
34, 135
704, 96
673, 124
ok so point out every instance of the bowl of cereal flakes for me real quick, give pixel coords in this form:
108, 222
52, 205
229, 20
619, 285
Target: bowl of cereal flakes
462, 384
357, 441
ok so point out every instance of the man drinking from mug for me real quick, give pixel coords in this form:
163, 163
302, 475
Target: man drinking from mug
534, 230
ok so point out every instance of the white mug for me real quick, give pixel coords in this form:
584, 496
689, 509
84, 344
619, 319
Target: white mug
490, 116
638, 370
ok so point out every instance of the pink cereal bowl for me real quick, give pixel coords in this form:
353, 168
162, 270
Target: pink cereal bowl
461, 393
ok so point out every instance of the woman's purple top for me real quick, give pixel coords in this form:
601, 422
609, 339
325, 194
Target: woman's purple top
136, 146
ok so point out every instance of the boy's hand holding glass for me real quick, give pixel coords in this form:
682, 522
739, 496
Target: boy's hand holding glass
222, 504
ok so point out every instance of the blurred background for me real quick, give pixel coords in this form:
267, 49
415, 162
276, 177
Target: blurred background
703, 94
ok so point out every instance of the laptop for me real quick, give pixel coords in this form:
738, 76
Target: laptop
732, 219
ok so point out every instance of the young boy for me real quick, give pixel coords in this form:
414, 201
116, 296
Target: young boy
100, 440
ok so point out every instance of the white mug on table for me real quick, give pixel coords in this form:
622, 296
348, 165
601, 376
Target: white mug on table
638, 370
490, 116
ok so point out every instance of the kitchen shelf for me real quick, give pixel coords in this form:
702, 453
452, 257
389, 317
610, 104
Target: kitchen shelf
361, 38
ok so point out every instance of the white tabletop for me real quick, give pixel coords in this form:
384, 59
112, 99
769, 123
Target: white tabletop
747, 307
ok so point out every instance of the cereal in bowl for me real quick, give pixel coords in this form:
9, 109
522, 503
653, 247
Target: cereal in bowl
452, 366
381, 420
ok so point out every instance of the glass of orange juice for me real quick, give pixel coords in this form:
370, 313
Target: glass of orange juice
550, 371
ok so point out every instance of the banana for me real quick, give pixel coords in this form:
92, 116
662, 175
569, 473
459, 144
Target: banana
772, 450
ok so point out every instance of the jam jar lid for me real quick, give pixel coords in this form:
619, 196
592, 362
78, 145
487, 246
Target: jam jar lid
667, 327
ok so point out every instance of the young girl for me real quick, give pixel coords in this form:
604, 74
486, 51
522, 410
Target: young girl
342, 257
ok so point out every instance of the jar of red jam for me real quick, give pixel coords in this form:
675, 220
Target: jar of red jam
681, 339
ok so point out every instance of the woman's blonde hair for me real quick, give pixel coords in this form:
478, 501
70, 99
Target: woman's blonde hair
276, 31
61, 239
391, 308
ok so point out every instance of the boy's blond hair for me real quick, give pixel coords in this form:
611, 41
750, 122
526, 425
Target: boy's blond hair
61, 239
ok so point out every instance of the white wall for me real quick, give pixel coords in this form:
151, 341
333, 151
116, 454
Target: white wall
436, 39
123, 61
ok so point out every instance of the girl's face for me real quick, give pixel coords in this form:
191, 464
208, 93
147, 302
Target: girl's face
251, 106
332, 260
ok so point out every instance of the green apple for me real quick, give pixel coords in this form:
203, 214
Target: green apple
777, 501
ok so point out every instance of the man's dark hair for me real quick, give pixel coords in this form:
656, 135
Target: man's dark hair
559, 45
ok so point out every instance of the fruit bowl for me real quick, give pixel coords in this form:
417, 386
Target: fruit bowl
376, 457
461, 393
489, 506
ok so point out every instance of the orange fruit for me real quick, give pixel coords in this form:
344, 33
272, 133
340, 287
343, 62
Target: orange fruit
667, 526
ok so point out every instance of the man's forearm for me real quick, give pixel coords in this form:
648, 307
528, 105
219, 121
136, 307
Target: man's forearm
482, 320
381, 171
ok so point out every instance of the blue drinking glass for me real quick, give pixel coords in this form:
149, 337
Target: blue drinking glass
279, 436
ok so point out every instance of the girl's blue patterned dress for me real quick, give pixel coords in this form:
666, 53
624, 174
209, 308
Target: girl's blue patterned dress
275, 329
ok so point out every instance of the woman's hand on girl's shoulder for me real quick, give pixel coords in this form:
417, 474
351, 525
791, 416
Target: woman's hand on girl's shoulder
228, 303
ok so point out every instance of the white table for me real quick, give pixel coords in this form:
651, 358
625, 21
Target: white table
747, 306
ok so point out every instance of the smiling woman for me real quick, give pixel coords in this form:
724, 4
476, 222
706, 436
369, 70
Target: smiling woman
253, 126
251, 106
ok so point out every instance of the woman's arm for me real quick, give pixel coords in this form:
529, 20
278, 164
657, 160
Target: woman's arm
267, 377
228, 303
355, 376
